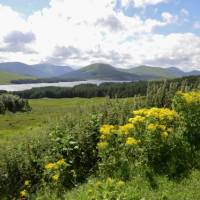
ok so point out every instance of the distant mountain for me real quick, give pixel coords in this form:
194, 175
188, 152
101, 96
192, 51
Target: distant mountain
175, 71
193, 73
39, 70
51, 73
101, 71
7, 77
179, 73
151, 72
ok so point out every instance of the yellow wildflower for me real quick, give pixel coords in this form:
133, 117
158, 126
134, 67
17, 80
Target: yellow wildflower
152, 127
141, 112
102, 145
131, 141
61, 162
50, 166
106, 129
125, 129
136, 120
191, 97
23, 193
55, 177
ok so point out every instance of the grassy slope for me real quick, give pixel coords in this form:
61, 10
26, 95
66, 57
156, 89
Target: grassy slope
151, 71
101, 71
6, 77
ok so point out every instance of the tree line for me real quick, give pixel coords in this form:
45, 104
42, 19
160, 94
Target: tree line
158, 93
111, 90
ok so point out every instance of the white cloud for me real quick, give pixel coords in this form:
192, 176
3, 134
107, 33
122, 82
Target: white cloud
78, 32
169, 18
141, 3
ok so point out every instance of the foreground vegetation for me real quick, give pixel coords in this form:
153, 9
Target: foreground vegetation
106, 149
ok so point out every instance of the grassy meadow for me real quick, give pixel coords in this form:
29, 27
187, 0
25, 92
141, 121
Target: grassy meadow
15, 126
101, 149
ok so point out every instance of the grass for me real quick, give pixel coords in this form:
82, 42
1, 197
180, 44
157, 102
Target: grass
138, 189
44, 112
6, 77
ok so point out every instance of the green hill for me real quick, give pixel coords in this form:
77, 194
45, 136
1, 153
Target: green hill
7, 77
103, 72
154, 72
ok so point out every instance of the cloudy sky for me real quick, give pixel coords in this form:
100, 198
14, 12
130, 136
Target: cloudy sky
124, 33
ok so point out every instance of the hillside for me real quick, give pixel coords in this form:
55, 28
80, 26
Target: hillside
154, 72
179, 73
101, 71
6, 77
39, 70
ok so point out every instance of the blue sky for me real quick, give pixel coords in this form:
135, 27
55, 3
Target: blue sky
27, 7
124, 33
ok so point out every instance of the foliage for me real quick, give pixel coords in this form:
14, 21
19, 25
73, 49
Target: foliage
112, 90
161, 93
152, 137
188, 104
13, 103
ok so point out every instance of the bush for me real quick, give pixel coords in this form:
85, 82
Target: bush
152, 137
13, 103
188, 105
21, 163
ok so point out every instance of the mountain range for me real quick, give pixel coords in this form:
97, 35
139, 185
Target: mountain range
38, 71
94, 71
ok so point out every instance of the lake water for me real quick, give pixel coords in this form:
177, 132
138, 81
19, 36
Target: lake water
21, 87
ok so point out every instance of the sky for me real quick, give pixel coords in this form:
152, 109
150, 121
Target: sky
123, 33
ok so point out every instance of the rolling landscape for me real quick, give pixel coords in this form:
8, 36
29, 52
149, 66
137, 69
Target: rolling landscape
100, 100
22, 73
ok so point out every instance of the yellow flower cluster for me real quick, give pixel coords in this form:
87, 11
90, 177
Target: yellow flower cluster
106, 129
137, 120
55, 165
125, 129
157, 113
131, 141
56, 177
191, 97
155, 119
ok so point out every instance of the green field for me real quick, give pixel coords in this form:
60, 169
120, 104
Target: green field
44, 113
6, 77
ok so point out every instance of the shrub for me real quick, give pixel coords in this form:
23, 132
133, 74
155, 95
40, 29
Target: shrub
152, 137
13, 103
23, 162
188, 105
